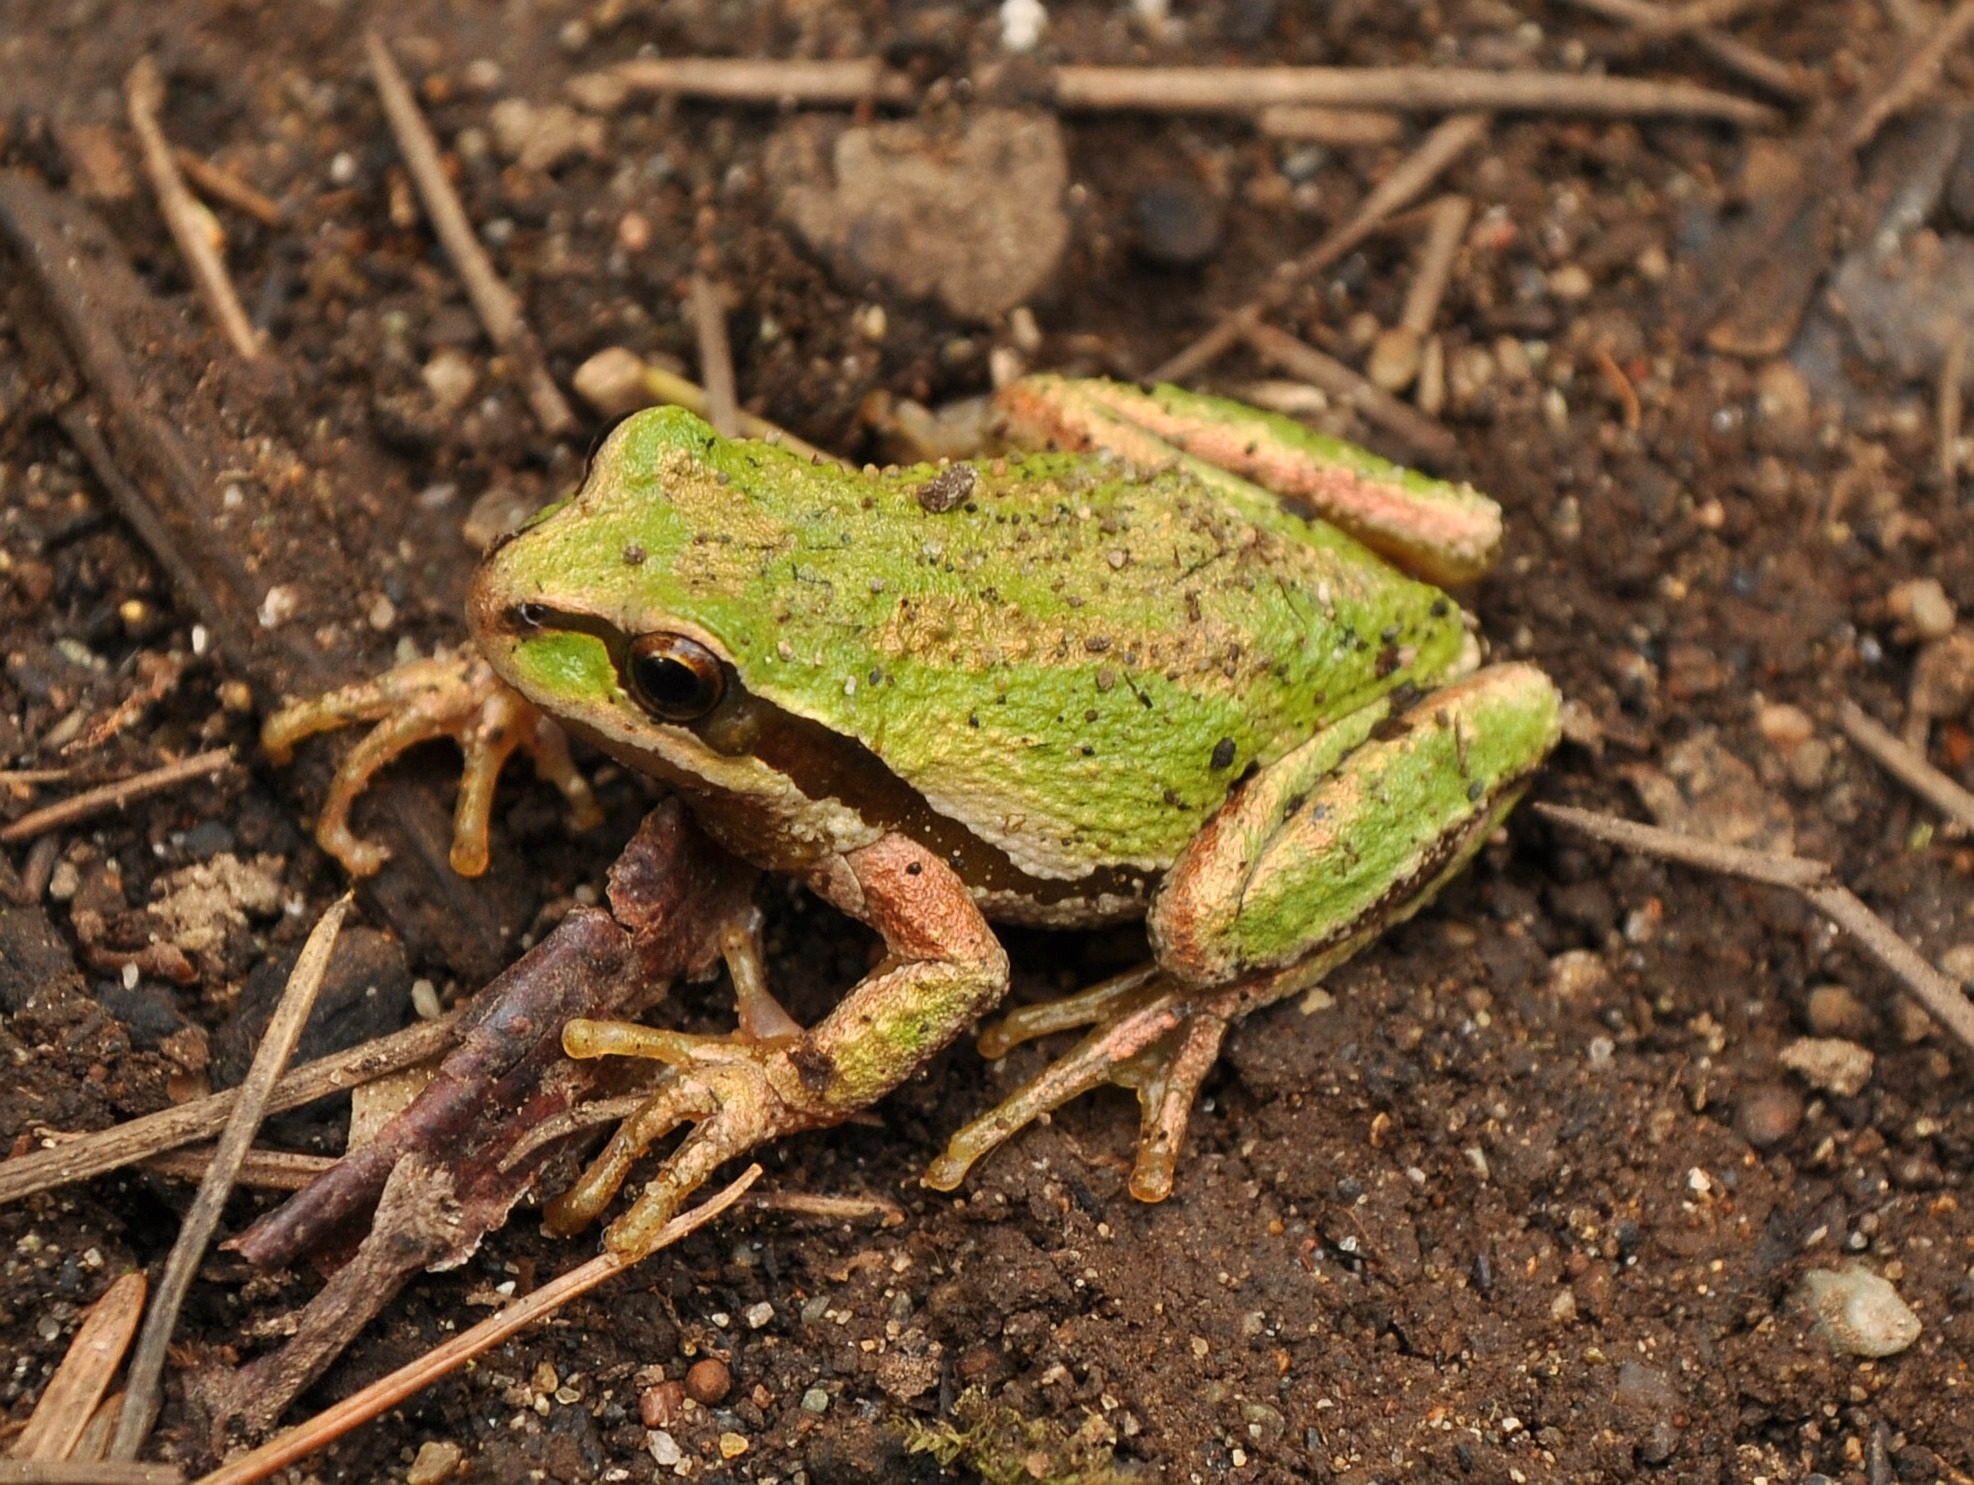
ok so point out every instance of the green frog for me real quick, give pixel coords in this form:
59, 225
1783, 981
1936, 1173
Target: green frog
1185, 662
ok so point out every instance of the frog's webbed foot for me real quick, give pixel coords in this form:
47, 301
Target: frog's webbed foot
456, 696
1148, 1034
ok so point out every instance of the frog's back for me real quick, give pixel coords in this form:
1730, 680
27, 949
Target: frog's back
1073, 660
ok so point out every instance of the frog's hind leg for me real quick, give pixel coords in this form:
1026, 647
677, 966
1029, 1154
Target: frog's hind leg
1144, 1036
1314, 857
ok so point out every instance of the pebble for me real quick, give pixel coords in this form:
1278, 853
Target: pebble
436, 1461
1022, 24
660, 1404
1768, 1114
1958, 961
1923, 604
1571, 282
1782, 397
708, 1381
1809, 764
1835, 1010
816, 1401
1859, 1313
664, 1448
451, 379
1784, 727
758, 1315
1178, 224
732, 1446
1830, 1063
968, 210
1575, 973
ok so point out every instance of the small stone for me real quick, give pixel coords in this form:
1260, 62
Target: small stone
1830, 1063
758, 1315
1835, 1010
1571, 282
1809, 765
1575, 973
708, 1381
660, 1404
1958, 961
1782, 398
967, 209
1784, 727
1178, 224
664, 1448
1859, 1313
1768, 1114
634, 232
1923, 605
1022, 24
451, 379
732, 1445
436, 1461
816, 1401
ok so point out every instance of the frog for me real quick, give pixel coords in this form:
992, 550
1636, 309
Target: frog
1157, 656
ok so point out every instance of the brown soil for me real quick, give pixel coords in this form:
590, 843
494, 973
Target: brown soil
1528, 1201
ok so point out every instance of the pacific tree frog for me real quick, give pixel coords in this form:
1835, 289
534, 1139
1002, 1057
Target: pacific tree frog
1118, 679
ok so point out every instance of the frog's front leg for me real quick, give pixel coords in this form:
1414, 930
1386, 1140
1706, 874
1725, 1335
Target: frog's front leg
942, 971
457, 696
1311, 859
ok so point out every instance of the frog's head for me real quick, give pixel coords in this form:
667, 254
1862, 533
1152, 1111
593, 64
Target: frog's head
637, 611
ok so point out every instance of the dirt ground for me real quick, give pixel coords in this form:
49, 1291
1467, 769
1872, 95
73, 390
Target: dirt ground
1531, 1194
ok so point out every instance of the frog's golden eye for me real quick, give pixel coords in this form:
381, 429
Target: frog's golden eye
674, 678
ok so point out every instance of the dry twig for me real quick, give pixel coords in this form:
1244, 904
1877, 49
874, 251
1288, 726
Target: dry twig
1950, 407
284, 1030
69, 1401
1908, 765
709, 323
615, 381
224, 186
1446, 227
1337, 127
1653, 22
386, 1392
192, 226
1428, 441
1910, 78
80, 1157
498, 307
1417, 171
1937, 994
1232, 90
85, 1472
115, 796
263, 1169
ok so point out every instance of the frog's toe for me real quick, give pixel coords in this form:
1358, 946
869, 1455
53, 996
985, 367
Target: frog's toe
1147, 1036
456, 696
728, 1088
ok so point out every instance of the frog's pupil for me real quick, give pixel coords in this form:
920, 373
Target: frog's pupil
675, 678
669, 683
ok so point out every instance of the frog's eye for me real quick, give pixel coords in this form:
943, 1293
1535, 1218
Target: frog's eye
674, 678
